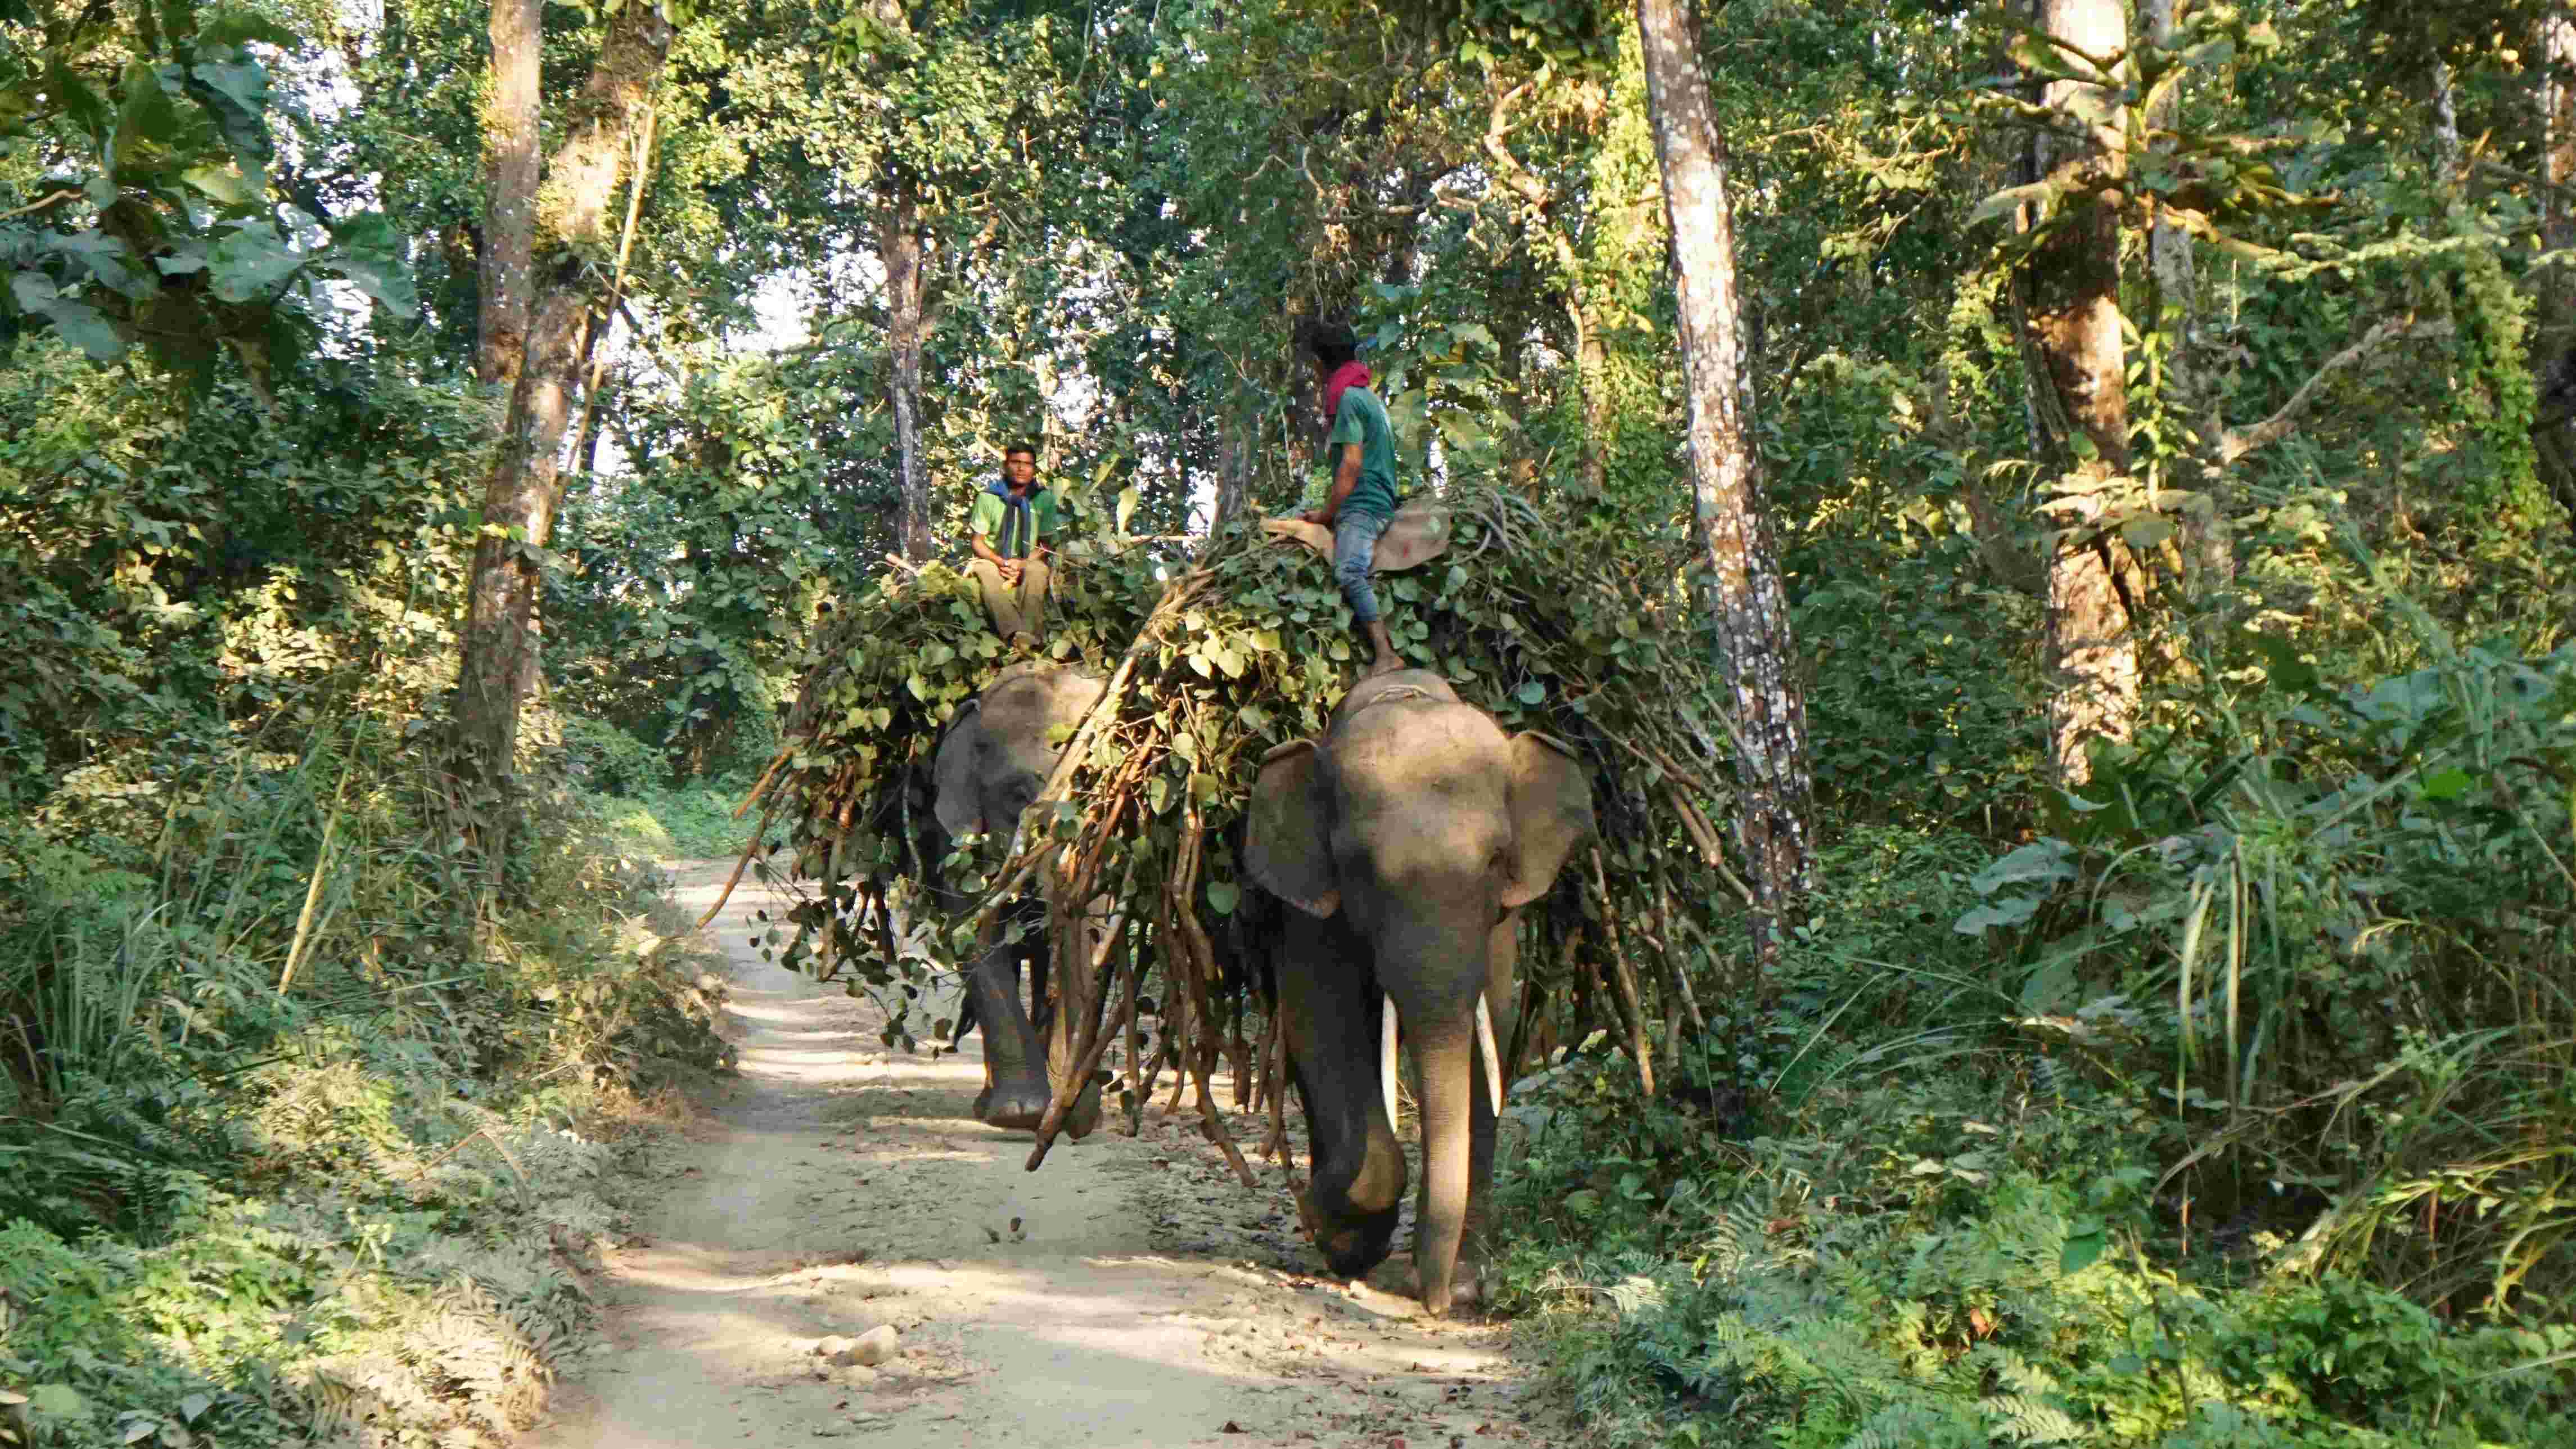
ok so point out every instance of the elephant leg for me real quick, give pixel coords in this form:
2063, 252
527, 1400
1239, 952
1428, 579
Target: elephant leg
1329, 1008
1015, 1085
1502, 1001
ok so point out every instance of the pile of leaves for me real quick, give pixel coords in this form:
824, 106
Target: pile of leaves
1211, 661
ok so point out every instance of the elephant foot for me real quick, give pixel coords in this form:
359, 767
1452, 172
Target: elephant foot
1013, 1105
1399, 1277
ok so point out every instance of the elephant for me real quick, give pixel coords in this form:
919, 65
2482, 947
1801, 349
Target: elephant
990, 765
1407, 841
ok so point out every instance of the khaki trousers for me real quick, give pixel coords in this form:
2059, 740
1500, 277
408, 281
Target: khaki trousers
1020, 610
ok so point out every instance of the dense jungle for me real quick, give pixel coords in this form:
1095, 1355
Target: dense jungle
2016, 559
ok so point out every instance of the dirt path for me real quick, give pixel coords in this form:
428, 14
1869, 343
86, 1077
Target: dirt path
1130, 1293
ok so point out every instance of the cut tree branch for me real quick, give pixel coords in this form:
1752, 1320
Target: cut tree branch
40, 203
2235, 443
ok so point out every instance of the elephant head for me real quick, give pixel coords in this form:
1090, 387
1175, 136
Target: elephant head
1412, 834
1004, 743
992, 764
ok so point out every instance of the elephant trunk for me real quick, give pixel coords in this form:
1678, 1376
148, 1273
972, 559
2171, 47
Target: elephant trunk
1443, 1065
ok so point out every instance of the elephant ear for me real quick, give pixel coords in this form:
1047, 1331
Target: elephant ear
1551, 800
959, 806
1284, 845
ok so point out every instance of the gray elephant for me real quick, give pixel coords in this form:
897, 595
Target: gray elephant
1408, 841
993, 761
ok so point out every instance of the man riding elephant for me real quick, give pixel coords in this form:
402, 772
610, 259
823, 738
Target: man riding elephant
1009, 530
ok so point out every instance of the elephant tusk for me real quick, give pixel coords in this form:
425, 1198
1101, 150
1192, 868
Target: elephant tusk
1386, 1062
1493, 1058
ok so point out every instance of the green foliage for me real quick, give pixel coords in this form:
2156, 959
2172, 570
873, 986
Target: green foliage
155, 220
1922, 714
1928, 1229
2321, 929
249, 1202
691, 821
284, 1084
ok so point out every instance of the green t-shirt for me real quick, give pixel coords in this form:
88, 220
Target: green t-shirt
1361, 419
993, 512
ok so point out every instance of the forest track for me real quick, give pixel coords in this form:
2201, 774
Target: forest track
1130, 1293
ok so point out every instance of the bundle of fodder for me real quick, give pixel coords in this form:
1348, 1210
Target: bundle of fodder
1582, 632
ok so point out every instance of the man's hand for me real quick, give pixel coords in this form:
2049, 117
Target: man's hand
1321, 517
1010, 568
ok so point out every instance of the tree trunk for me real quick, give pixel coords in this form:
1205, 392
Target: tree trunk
2553, 356
501, 654
1235, 447
2071, 319
2446, 109
592, 369
1749, 607
1591, 354
899, 247
2208, 538
510, 169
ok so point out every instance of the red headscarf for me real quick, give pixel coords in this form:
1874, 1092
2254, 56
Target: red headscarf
1345, 377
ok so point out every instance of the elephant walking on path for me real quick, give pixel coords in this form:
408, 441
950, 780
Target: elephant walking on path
992, 763
1408, 840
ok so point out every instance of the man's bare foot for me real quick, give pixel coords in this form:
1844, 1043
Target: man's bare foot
1383, 643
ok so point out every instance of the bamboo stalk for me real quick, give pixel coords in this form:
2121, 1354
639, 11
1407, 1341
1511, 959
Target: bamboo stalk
760, 786
1139, 1086
1275, 1085
312, 899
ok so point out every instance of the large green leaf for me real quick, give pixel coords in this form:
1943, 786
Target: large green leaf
250, 262
107, 259
227, 184
367, 251
149, 124
236, 91
233, 27
80, 324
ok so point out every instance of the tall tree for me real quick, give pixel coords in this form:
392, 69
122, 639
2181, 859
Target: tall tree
899, 252
1749, 609
2070, 293
512, 164
572, 202
899, 248
2176, 289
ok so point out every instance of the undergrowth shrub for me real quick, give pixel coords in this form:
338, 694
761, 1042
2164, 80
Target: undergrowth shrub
694, 821
2322, 931
1929, 1224
1939, 1255
302, 1133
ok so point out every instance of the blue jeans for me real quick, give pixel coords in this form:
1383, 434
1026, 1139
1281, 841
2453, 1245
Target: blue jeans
1355, 536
